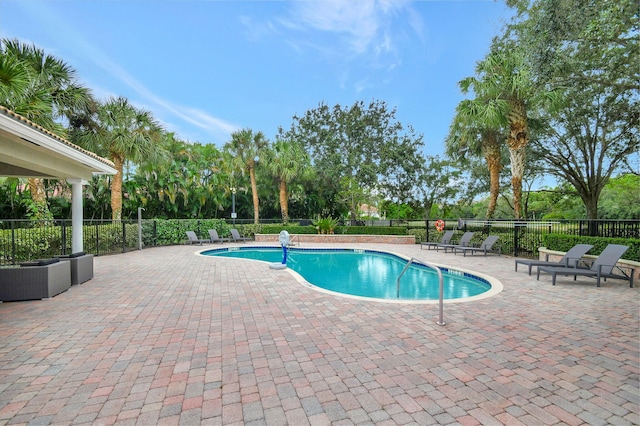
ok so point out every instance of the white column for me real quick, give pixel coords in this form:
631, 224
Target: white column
77, 243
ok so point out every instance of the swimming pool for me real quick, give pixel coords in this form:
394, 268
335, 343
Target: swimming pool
368, 274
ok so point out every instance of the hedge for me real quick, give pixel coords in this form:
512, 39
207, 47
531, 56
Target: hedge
352, 230
563, 242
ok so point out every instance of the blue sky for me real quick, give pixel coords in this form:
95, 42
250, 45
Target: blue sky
208, 68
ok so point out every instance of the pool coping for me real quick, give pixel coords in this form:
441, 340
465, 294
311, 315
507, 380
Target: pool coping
496, 286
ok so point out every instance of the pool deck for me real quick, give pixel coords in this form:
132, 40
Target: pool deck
163, 336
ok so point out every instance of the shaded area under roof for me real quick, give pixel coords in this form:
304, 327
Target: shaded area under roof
28, 150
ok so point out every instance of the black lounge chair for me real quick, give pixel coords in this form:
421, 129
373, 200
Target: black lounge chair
602, 267
465, 241
235, 236
446, 239
485, 247
570, 258
193, 238
215, 238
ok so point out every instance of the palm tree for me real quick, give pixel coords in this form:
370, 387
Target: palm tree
122, 132
246, 148
43, 89
286, 161
505, 85
469, 134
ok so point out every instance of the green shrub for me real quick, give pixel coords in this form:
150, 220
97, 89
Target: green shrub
292, 229
561, 242
352, 230
173, 231
107, 238
371, 230
31, 243
419, 233
325, 225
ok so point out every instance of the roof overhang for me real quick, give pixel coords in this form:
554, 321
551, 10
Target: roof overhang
27, 150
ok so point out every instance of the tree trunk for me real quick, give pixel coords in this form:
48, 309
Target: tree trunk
254, 194
517, 141
491, 152
591, 205
427, 215
284, 203
116, 188
40, 210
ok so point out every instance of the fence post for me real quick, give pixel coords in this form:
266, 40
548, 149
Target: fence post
13, 242
124, 237
155, 232
427, 236
516, 237
140, 228
97, 240
64, 237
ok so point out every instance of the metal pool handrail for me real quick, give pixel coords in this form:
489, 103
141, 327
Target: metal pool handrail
441, 299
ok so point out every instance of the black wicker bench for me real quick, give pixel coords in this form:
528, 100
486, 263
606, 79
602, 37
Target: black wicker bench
81, 267
34, 280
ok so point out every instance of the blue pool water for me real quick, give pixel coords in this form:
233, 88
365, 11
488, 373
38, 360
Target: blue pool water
365, 273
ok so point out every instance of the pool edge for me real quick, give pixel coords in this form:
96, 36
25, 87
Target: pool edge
495, 284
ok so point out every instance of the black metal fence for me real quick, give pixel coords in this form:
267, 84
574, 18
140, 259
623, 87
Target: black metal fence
24, 240
522, 238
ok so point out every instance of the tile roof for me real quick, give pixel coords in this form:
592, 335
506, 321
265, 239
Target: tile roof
17, 117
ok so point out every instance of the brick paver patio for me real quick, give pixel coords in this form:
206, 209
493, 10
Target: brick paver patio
162, 336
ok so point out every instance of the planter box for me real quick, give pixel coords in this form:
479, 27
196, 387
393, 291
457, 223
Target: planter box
339, 238
34, 282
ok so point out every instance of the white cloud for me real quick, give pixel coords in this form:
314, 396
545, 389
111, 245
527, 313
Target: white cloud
363, 26
366, 35
357, 20
210, 124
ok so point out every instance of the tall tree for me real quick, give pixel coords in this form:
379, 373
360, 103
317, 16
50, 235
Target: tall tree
362, 142
122, 132
472, 133
286, 160
246, 147
505, 83
43, 89
590, 50
187, 185
591, 139
438, 183
571, 42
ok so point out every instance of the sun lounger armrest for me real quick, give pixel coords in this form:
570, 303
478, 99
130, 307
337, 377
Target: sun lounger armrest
623, 272
618, 267
572, 262
630, 275
582, 263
